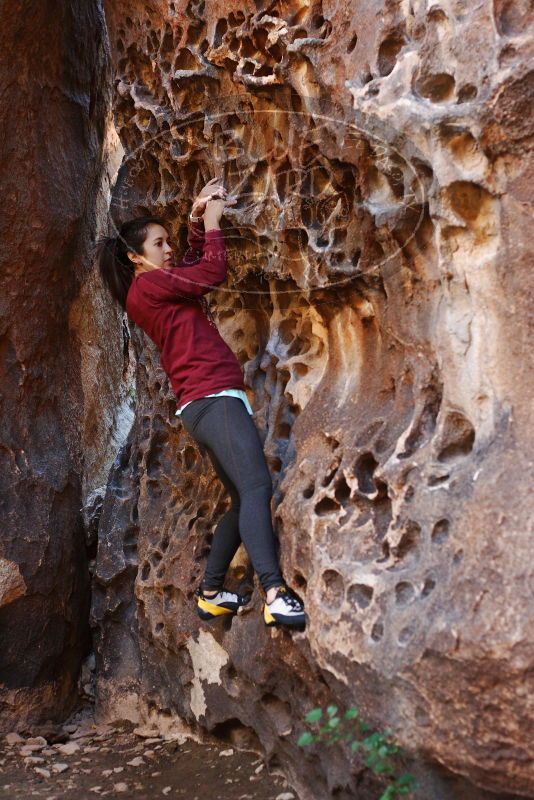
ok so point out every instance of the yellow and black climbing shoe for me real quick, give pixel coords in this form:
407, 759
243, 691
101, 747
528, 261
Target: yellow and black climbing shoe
285, 609
220, 604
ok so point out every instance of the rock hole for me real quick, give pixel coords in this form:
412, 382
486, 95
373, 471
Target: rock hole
145, 571
332, 441
352, 44
440, 531
300, 581
404, 593
333, 590
235, 732
382, 510
158, 627
189, 457
428, 587
248, 49
330, 474
425, 425
388, 52
220, 30
457, 437
511, 16
342, 491
467, 199
283, 430
409, 541
275, 463
308, 491
377, 631
326, 506
164, 544
364, 469
437, 87
300, 369
436, 478
437, 15
300, 33
195, 33
240, 573
185, 60
467, 92
406, 634
153, 464
274, 762
360, 594
385, 553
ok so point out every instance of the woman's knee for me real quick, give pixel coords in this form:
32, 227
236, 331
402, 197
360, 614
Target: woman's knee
261, 486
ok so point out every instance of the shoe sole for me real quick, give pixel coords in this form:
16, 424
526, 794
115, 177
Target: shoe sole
271, 621
209, 611
207, 617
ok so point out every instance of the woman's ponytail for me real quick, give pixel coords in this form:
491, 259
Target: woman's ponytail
116, 269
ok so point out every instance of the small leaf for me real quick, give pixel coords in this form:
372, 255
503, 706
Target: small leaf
305, 739
351, 713
406, 779
331, 711
314, 715
334, 722
370, 742
389, 794
382, 768
354, 746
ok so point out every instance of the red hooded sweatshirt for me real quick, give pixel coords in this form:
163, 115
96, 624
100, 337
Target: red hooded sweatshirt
169, 305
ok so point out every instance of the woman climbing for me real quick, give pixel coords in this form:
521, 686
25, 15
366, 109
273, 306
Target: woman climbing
167, 301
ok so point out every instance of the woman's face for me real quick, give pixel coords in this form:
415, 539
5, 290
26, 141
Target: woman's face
156, 248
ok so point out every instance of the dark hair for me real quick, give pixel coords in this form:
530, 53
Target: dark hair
115, 267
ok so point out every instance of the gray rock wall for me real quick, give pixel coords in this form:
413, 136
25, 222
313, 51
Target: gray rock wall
378, 302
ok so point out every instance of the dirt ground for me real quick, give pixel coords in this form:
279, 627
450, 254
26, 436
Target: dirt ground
80, 761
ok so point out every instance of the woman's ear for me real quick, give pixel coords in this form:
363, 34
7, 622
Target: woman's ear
133, 257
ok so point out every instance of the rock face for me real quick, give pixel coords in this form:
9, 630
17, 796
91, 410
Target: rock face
55, 96
378, 303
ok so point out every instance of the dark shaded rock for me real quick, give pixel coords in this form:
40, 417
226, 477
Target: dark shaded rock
54, 102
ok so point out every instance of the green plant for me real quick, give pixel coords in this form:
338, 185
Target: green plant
378, 749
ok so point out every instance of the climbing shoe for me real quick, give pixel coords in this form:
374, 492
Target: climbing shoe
220, 604
285, 609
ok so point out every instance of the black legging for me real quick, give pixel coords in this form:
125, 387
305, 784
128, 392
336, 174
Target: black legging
227, 431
